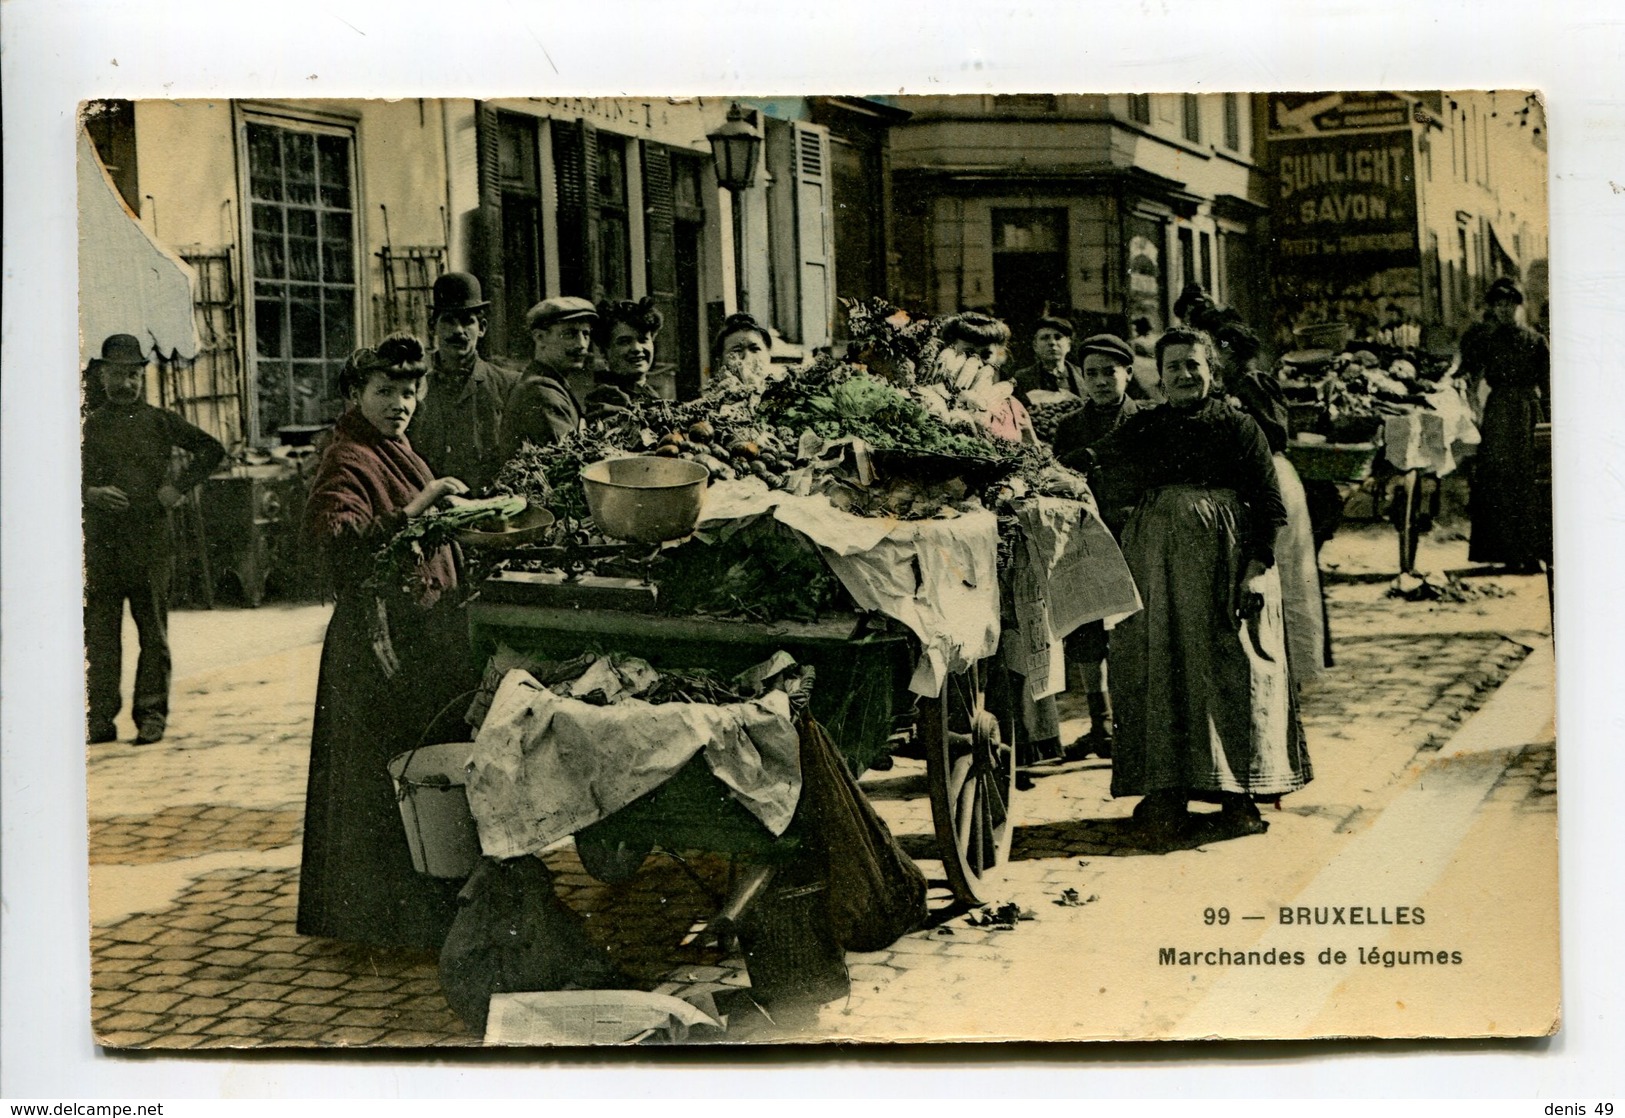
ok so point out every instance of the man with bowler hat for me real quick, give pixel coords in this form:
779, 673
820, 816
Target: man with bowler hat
127, 452
458, 424
543, 409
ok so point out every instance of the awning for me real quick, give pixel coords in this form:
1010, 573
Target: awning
128, 283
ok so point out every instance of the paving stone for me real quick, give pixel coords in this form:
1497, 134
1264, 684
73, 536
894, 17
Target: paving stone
262, 1009
151, 1002
322, 979
158, 982
199, 1007
124, 1021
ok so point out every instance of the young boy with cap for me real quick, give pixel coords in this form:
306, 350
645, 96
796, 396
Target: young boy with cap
128, 449
1108, 362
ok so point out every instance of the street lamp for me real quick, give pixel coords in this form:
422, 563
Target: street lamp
734, 149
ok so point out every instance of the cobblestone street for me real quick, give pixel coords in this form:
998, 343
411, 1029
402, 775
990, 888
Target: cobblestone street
194, 850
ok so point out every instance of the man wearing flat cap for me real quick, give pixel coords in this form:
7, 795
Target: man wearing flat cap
458, 424
1108, 364
543, 409
1050, 371
127, 454
1508, 502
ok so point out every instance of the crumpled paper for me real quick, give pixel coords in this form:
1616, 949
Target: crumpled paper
576, 1017
939, 578
1435, 439
545, 766
1067, 572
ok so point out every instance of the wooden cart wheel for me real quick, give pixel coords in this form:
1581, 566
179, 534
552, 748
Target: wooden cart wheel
611, 862
971, 766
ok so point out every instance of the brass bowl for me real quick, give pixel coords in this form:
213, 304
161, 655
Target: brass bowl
645, 499
529, 526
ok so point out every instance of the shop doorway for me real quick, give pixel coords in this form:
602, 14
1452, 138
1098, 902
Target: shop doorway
1029, 271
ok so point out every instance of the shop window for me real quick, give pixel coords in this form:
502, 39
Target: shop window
1026, 102
614, 222
1191, 124
520, 200
673, 230
1139, 108
303, 265
1232, 121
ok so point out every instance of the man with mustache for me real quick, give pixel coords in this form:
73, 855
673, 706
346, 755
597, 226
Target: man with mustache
543, 409
129, 447
459, 419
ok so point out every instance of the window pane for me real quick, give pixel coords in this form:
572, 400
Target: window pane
305, 326
268, 219
338, 250
611, 171
333, 160
265, 162
268, 312
271, 380
613, 241
303, 259
685, 183
1193, 117
312, 400
338, 323
516, 152
269, 259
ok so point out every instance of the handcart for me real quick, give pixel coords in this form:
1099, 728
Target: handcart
861, 697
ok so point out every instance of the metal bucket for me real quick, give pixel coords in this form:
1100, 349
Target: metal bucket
429, 788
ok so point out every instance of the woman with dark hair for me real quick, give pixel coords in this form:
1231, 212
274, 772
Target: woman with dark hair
1204, 710
1259, 395
625, 333
393, 657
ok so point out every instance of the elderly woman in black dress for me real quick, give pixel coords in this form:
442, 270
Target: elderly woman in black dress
393, 657
1204, 709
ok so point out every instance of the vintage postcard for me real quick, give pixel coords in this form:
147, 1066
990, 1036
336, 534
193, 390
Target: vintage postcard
726, 571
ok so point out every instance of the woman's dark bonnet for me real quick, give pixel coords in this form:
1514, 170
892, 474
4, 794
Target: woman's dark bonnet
399, 357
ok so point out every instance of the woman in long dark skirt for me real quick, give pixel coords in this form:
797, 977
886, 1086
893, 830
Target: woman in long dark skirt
1204, 707
393, 657
1506, 504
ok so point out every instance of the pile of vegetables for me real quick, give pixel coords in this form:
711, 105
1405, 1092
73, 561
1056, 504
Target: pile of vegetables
835, 400
395, 565
760, 571
1346, 397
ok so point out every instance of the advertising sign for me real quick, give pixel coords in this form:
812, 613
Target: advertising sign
1344, 202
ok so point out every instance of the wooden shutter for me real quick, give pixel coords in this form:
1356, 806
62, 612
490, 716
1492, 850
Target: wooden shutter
575, 172
660, 241
815, 263
486, 254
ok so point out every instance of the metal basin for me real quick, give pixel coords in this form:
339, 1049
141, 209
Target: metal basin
645, 499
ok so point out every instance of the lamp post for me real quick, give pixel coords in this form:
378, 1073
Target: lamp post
734, 149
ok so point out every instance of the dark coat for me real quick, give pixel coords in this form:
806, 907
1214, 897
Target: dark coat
1211, 445
457, 428
131, 446
1034, 376
356, 880
541, 410
1510, 502
1083, 429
